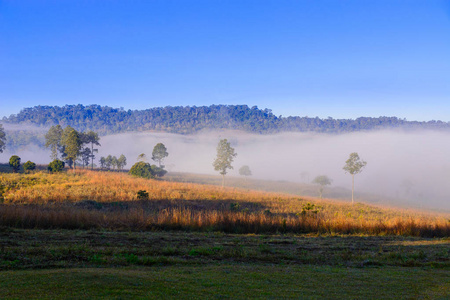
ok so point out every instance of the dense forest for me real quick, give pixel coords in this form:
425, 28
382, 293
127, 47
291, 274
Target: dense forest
191, 119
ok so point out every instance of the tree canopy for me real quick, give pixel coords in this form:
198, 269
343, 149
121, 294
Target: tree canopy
53, 140
121, 162
190, 119
71, 142
142, 169
354, 164
56, 166
245, 171
14, 163
29, 166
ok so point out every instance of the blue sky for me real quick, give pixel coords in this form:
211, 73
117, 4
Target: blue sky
337, 58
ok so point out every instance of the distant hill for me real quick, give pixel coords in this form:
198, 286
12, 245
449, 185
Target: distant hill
191, 119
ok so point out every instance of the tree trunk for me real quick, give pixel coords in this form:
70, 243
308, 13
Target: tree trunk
353, 185
223, 180
92, 156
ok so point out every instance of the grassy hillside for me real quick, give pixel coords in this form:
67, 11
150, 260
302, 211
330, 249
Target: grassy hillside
91, 199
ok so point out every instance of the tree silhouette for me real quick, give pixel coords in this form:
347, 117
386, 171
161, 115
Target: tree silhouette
322, 181
159, 153
245, 171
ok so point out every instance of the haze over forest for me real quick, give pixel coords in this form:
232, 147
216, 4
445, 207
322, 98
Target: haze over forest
406, 160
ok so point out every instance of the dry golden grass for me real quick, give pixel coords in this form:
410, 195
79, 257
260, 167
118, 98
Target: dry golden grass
87, 199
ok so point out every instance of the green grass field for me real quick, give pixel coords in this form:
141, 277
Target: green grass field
236, 281
64, 264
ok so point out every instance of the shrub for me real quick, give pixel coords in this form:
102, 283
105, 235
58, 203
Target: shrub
142, 195
142, 169
56, 166
145, 170
234, 206
158, 171
310, 208
29, 166
14, 163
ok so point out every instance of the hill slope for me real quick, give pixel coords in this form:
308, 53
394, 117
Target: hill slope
90, 199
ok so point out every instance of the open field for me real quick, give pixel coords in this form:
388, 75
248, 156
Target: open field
89, 199
89, 234
226, 281
76, 263
37, 249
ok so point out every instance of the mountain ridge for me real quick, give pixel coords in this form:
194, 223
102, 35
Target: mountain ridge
191, 119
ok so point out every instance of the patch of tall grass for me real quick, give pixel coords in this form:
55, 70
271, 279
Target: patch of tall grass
88, 199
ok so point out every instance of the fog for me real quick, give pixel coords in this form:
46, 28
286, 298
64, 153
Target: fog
413, 165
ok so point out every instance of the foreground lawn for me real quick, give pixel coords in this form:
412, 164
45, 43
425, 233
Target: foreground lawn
37, 249
105, 264
223, 281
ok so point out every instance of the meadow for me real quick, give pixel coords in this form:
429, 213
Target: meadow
86, 199
108, 234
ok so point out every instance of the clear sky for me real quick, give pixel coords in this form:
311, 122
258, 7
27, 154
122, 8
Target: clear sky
335, 58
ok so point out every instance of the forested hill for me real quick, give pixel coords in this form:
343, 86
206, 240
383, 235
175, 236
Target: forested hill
190, 119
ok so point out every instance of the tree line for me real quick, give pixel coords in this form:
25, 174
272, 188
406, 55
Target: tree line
191, 119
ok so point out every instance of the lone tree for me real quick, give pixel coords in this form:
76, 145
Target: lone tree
2, 139
245, 171
322, 181
14, 163
159, 153
225, 156
354, 165
53, 140
71, 141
